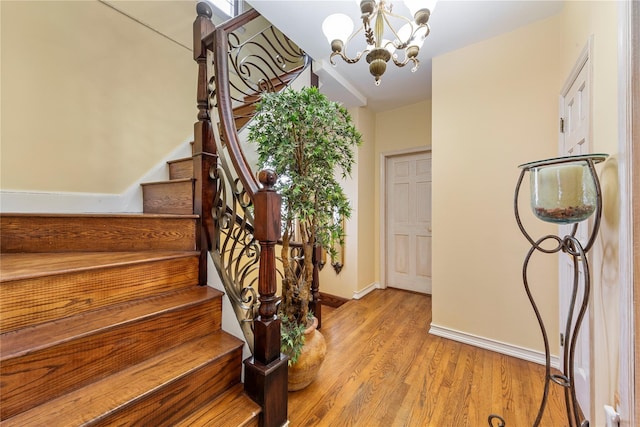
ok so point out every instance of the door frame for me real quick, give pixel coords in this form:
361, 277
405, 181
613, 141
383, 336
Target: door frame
629, 137
383, 203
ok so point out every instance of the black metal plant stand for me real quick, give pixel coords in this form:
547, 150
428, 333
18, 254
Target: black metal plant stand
564, 190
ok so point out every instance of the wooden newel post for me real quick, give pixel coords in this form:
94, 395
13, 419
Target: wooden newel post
266, 371
205, 157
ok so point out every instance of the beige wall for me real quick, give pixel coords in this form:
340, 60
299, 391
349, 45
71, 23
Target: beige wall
366, 200
495, 106
358, 271
91, 100
396, 130
384, 132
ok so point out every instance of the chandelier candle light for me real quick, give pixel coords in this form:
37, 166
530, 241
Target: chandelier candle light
377, 16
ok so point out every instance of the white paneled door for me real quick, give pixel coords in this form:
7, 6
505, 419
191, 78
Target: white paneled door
575, 141
408, 221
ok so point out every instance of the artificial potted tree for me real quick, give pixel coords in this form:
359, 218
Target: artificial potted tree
309, 141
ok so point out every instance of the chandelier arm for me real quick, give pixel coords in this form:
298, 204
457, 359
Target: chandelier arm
414, 34
403, 43
401, 64
395, 60
345, 45
355, 33
345, 58
428, 27
394, 15
414, 29
416, 64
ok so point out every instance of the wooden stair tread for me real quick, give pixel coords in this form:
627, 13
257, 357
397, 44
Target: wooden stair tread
232, 409
169, 181
17, 266
22, 341
119, 390
149, 216
183, 159
44, 362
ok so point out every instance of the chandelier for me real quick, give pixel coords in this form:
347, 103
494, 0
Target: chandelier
378, 22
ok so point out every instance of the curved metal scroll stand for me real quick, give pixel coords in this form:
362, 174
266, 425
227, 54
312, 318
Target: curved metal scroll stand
571, 246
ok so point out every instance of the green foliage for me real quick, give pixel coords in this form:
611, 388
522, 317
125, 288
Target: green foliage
306, 139
292, 339
309, 141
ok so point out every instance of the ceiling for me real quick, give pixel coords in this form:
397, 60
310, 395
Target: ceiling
454, 24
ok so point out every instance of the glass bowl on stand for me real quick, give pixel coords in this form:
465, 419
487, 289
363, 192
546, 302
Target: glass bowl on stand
564, 190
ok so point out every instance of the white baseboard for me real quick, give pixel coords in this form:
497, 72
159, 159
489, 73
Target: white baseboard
493, 345
129, 201
60, 202
362, 292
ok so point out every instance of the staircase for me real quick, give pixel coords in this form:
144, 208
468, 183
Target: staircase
103, 318
103, 321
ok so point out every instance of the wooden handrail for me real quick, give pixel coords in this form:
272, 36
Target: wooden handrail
225, 108
218, 43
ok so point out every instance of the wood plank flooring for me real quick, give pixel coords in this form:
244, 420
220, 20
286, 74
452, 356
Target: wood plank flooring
384, 369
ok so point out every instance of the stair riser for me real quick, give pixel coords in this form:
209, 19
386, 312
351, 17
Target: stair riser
95, 233
37, 300
38, 376
181, 169
167, 405
241, 121
171, 197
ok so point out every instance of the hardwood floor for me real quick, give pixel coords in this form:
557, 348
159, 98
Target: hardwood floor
384, 369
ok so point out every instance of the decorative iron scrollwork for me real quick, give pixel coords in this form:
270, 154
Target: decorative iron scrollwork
236, 253
264, 62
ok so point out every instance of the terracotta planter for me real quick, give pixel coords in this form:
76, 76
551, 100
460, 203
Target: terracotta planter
305, 370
